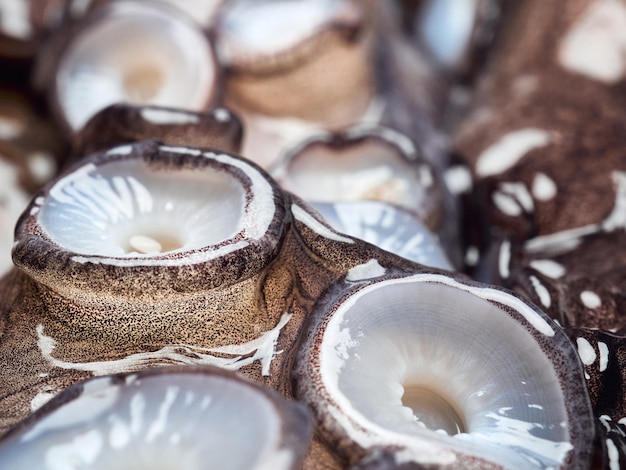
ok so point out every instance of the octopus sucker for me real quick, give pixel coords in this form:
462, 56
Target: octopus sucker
407, 364
190, 417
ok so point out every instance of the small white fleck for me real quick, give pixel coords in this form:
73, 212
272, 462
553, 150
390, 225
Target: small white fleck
458, 179
504, 259
42, 166
506, 203
543, 187
605, 419
604, 355
10, 128
520, 192
509, 149
585, 351
590, 299
425, 176
542, 291
622, 421
221, 115
548, 268
472, 255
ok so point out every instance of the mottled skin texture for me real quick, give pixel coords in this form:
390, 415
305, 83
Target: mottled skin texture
99, 312
527, 85
61, 318
256, 83
123, 123
597, 264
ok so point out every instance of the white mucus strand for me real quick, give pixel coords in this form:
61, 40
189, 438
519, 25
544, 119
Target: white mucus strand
307, 219
181, 150
542, 292
262, 349
168, 116
604, 355
504, 259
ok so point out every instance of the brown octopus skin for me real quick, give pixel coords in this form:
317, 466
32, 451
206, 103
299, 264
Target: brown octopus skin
101, 313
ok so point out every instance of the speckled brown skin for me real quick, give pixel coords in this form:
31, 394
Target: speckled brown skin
63, 320
526, 86
100, 312
123, 123
596, 264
